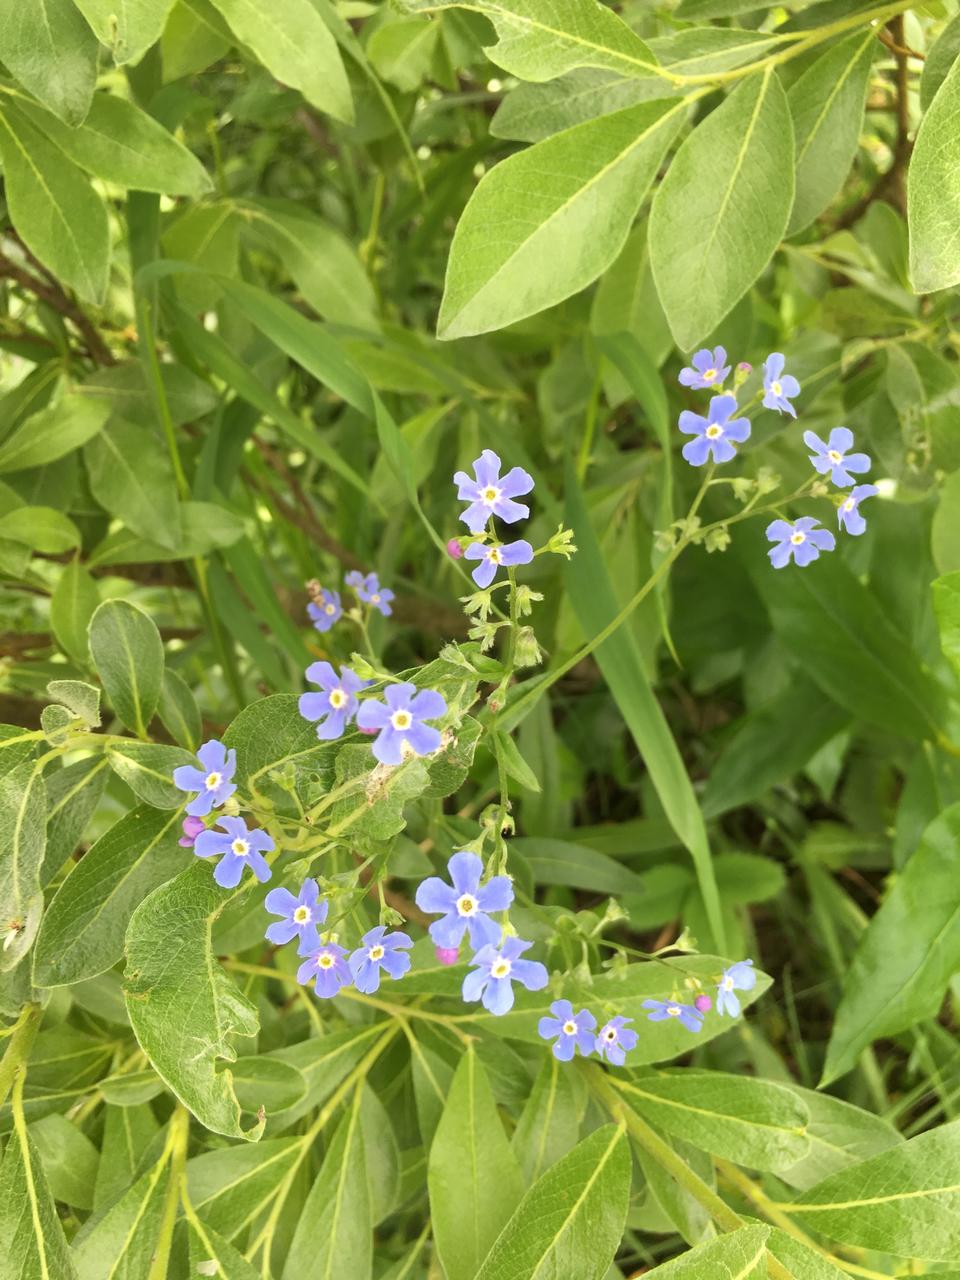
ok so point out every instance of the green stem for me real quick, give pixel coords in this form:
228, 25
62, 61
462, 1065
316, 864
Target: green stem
22, 1035
177, 1152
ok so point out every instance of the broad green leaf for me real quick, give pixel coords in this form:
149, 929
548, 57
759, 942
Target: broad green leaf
271, 1083
127, 29
381, 1156
905, 1201
909, 952
124, 1240
54, 431
532, 112
324, 1063
738, 1255
933, 192
334, 1237
945, 531
560, 862
122, 144
472, 1174
207, 1246
128, 653
940, 58
195, 37
51, 51
802, 1262
827, 107
179, 711
72, 796
750, 1122
402, 51
946, 603
131, 476
147, 769
570, 1221
183, 1007
125, 388
54, 208
232, 1187
40, 529
270, 735
127, 1133
547, 221
23, 816
723, 207
296, 45
82, 699
33, 1241
204, 527
687, 1214
540, 39
840, 1135
84, 925
69, 1159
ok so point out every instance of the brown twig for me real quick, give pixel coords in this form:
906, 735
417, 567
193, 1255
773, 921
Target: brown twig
45, 287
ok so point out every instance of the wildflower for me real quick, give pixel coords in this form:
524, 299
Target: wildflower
703, 1003
715, 433
497, 969
191, 829
848, 514
326, 967
400, 721
354, 579
802, 540
615, 1040
833, 456
238, 847
490, 495
491, 558
325, 609
739, 977
447, 955
686, 1014
301, 914
709, 370
779, 388
337, 705
568, 1030
214, 782
369, 590
464, 905
455, 549
380, 950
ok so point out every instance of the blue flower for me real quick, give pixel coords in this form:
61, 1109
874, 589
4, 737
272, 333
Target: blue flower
714, 433
496, 970
568, 1030
491, 558
301, 914
325, 967
848, 513
400, 721
803, 540
615, 1040
380, 950
355, 579
237, 848
214, 781
739, 977
489, 495
686, 1014
779, 388
369, 590
337, 705
465, 904
325, 610
709, 370
834, 456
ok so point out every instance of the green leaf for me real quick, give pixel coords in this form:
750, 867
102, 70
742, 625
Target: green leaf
550, 1121
178, 710
946, 604
945, 532
51, 51
72, 797
128, 29
84, 925
23, 817
204, 527
33, 1241
182, 1006
827, 107
802, 1262
124, 1240
547, 221
147, 769
128, 653
82, 699
127, 1133
840, 1135
131, 476
472, 1174
571, 1220
723, 207
532, 112
293, 42
40, 529
334, 1237
122, 144
750, 1122
909, 952
232, 1187
940, 58
69, 1160
54, 208
53, 432
207, 1246
904, 1201
540, 39
560, 862
686, 1213
738, 1255
933, 192
402, 51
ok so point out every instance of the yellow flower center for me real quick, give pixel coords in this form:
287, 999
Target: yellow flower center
375, 598
728, 984
301, 915
797, 538
709, 375
467, 904
240, 847
337, 699
835, 457
213, 781
776, 388
493, 555
330, 609
673, 1010
490, 494
375, 953
569, 1028
849, 504
325, 960
500, 968
401, 720
713, 431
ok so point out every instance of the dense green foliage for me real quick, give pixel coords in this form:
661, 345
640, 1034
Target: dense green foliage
271, 272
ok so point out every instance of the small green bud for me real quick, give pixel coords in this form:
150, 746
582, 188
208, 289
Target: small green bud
717, 539
527, 652
362, 667
562, 544
480, 603
767, 480
665, 539
526, 599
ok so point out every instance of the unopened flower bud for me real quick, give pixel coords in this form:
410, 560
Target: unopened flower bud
527, 652
562, 544
448, 955
454, 549
743, 372
191, 829
703, 1003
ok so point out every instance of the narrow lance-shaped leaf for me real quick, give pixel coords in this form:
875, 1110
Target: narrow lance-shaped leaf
933, 192
124, 1240
23, 817
52, 52
53, 432
30, 1226
738, 1255
546, 222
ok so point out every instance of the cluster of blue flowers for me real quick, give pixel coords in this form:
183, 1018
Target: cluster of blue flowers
489, 494
717, 434
326, 606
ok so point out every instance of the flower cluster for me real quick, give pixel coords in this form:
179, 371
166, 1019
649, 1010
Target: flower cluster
489, 494
325, 607
236, 845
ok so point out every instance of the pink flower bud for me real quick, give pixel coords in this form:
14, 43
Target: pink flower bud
368, 732
454, 549
191, 829
448, 955
703, 1003
744, 367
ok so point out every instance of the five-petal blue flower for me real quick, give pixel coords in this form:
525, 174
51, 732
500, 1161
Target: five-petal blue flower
710, 369
489, 494
495, 972
615, 1040
568, 1030
337, 705
685, 1014
848, 513
465, 904
301, 914
369, 590
739, 977
237, 848
326, 967
325, 610
779, 388
715, 434
492, 557
835, 456
803, 540
214, 781
380, 950
400, 721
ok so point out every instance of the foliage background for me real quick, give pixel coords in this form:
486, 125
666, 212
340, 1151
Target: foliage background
268, 276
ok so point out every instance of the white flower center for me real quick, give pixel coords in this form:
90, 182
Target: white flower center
375, 953
337, 699
849, 504
776, 388
610, 1035
713, 431
467, 904
401, 720
500, 968
493, 555
240, 847
673, 1010
325, 960
709, 375
490, 494
330, 609
835, 456
569, 1028
797, 538
375, 598
301, 915
213, 781
728, 984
